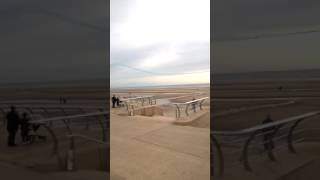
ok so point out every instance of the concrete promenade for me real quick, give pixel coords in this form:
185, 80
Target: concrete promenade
144, 148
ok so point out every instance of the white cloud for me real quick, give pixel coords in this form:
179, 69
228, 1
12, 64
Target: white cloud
164, 27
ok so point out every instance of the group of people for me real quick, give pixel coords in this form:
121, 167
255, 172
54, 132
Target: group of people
115, 101
13, 123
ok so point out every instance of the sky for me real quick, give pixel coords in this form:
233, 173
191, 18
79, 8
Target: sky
156, 42
265, 35
53, 40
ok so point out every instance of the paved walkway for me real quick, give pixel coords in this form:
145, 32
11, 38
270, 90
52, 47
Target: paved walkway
144, 148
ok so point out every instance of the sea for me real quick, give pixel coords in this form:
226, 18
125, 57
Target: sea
292, 75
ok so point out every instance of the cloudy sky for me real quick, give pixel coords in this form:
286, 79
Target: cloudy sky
263, 35
159, 42
53, 40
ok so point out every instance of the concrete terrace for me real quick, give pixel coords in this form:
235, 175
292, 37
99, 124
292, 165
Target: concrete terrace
144, 148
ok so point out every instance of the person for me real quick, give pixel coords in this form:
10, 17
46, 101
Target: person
24, 127
118, 101
194, 105
267, 138
114, 99
12, 125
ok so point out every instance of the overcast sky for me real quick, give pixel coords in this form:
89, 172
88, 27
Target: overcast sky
263, 35
159, 42
53, 40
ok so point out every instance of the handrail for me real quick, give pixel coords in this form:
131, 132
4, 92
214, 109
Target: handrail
133, 98
269, 133
265, 126
189, 102
44, 123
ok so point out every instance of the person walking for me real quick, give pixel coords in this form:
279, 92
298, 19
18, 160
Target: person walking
118, 101
12, 125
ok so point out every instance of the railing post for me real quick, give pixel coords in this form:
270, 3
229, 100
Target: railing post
55, 150
270, 140
214, 142
200, 104
187, 106
177, 111
87, 119
244, 156
290, 135
70, 160
47, 115
104, 138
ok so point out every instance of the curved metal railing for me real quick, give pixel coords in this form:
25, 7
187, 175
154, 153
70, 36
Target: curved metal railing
70, 123
231, 148
185, 106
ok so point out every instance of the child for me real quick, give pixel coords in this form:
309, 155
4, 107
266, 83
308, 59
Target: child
25, 128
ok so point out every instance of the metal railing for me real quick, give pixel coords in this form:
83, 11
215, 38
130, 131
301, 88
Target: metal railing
72, 123
235, 147
185, 106
47, 111
130, 103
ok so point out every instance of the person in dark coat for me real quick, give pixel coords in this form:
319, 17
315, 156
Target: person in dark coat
114, 100
24, 127
268, 143
12, 125
118, 101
